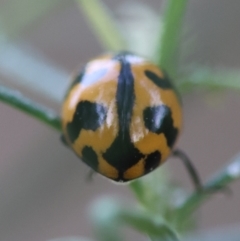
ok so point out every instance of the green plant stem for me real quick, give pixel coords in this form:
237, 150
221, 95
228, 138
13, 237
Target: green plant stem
170, 35
205, 78
108, 216
103, 24
217, 183
138, 190
42, 113
154, 227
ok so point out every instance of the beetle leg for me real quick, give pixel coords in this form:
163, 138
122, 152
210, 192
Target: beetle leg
190, 168
63, 140
194, 174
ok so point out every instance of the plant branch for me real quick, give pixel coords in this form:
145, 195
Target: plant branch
217, 183
205, 77
170, 35
103, 24
17, 100
108, 215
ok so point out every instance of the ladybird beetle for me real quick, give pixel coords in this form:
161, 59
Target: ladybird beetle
121, 116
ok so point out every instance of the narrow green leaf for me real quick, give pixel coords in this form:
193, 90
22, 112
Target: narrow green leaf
42, 113
155, 227
170, 34
205, 77
103, 24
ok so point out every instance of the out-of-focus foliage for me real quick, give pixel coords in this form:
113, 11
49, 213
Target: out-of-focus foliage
16, 16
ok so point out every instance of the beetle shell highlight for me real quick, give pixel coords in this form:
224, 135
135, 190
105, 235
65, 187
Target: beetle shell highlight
121, 116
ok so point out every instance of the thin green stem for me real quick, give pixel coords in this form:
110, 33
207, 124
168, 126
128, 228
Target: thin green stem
170, 35
42, 113
138, 190
217, 183
154, 227
103, 24
205, 77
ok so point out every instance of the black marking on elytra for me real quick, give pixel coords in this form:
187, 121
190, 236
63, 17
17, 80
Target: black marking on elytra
88, 116
125, 96
163, 83
90, 157
152, 161
122, 154
158, 119
166, 76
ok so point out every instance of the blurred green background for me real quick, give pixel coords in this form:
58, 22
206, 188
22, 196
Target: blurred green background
44, 194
